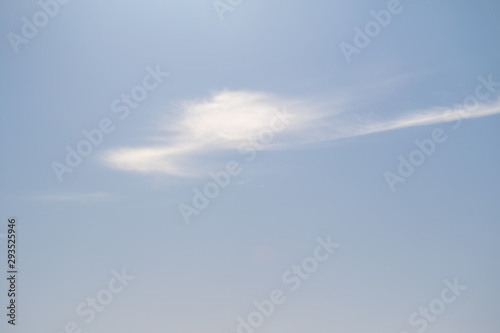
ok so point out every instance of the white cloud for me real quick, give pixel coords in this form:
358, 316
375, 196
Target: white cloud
228, 118
344, 129
217, 124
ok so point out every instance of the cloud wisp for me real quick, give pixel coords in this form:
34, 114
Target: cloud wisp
217, 124
334, 128
204, 128
76, 197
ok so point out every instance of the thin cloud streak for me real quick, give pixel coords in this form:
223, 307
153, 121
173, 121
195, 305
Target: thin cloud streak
228, 118
76, 197
335, 129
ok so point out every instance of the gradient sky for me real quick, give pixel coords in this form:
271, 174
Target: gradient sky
322, 175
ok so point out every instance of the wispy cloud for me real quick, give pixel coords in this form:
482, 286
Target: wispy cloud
335, 128
76, 197
217, 124
226, 119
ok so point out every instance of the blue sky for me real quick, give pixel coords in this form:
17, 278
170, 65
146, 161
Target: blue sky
311, 140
